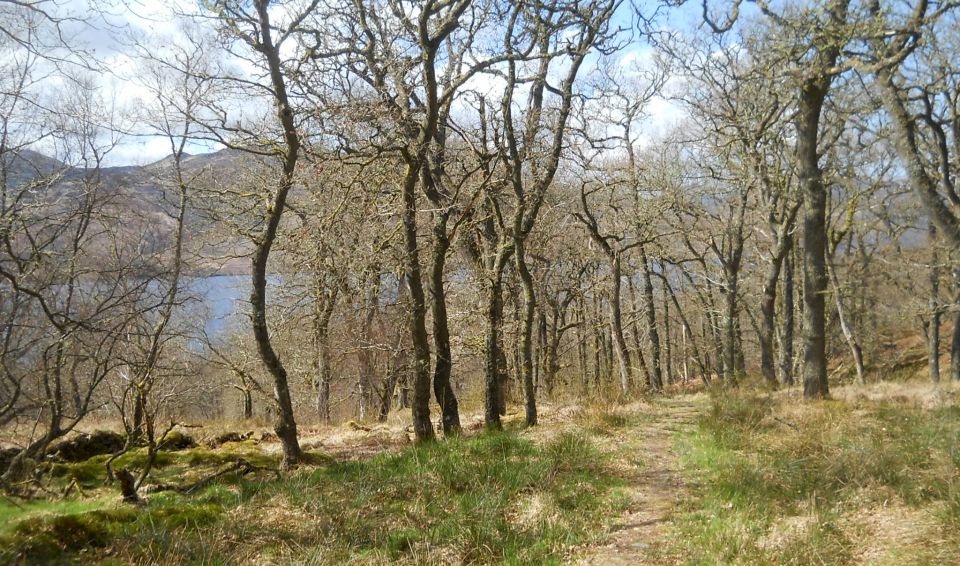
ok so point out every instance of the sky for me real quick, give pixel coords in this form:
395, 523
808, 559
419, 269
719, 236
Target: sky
109, 29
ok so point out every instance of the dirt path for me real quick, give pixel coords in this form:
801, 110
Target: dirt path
649, 463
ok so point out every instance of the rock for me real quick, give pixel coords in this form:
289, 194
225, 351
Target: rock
224, 438
177, 440
85, 446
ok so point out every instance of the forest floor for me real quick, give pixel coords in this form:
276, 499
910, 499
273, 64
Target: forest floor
732, 476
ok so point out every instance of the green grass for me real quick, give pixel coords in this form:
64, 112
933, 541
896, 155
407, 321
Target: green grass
495, 498
782, 482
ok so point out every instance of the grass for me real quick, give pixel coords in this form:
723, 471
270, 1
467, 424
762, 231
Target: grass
872, 476
777, 481
494, 498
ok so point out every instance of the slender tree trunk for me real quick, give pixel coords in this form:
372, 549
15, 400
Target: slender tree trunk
286, 425
420, 407
247, 404
768, 306
656, 378
545, 353
599, 349
616, 325
667, 338
582, 346
493, 398
787, 324
635, 331
845, 327
442, 388
386, 394
955, 341
526, 332
326, 300
136, 431
740, 356
730, 326
323, 377
934, 334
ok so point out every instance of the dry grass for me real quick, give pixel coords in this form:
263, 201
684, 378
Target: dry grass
871, 476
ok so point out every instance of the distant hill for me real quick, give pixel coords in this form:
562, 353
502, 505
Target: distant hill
143, 196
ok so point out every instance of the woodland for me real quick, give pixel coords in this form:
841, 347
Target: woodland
478, 281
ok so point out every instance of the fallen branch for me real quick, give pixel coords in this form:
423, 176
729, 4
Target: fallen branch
241, 467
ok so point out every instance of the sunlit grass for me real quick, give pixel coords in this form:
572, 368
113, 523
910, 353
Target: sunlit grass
778, 481
493, 498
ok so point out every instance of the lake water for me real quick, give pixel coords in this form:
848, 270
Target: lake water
222, 301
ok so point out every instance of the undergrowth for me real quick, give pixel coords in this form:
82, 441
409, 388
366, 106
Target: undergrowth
495, 498
779, 481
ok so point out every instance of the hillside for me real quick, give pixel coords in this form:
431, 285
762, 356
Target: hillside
733, 477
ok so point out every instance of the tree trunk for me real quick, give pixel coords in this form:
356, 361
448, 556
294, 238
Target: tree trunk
286, 425
323, 377
136, 430
582, 345
616, 325
768, 306
787, 321
845, 327
656, 378
814, 92
493, 397
442, 389
667, 338
526, 333
934, 333
730, 327
325, 302
955, 341
635, 331
247, 404
417, 320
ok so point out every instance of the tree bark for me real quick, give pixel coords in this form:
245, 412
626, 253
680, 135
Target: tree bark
247, 404
442, 388
493, 392
616, 325
933, 339
787, 320
768, 306
814, 92
730, 326
417, 319
847, 330
526, 333
325, 302
955, 340
667, 337
286, 425
656, 377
